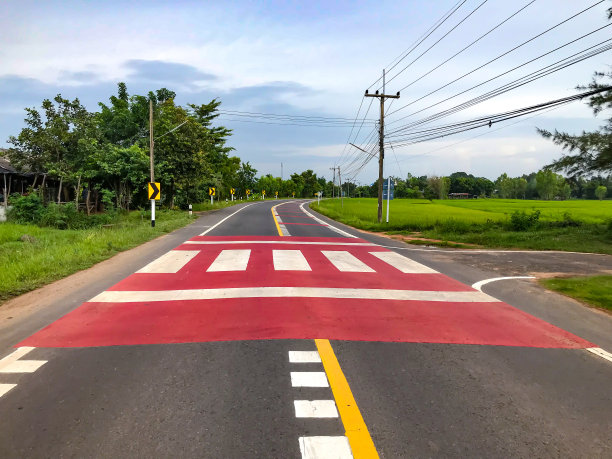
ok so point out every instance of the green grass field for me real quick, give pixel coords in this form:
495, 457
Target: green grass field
596, 290
580, 226
50, 254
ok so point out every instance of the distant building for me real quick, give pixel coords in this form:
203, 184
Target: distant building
459, 196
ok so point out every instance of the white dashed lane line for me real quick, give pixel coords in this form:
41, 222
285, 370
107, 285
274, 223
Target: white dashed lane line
11, 364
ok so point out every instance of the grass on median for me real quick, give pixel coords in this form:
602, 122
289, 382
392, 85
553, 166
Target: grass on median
580, 226
596, 290
31, 256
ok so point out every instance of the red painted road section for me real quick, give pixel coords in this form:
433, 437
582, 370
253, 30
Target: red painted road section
107, 324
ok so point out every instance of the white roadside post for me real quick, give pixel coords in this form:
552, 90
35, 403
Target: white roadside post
190, 209
388, 196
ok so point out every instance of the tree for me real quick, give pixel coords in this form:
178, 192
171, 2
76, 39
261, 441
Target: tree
438, 186
546, 183
589, 152
246, 177
601, 192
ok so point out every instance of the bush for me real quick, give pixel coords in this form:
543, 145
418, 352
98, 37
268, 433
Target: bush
521, 221
30, 209
26, 209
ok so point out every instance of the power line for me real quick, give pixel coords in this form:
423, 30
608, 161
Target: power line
540, 73
456, 128
496, 58
423, 37
438, 41
470, 45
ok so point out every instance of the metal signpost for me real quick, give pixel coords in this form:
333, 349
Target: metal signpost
232, 191
211, 192
388, 188
248, 192
263, 194
154, 195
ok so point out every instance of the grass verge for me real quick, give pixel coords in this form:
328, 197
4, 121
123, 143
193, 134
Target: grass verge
31, 256
595, 290
576, 226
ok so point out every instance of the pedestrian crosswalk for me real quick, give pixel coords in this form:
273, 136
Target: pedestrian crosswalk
227, 260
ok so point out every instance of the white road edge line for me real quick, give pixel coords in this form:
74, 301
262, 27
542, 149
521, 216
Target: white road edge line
229, 216
478, 285
279, 220
332, 227
600, 352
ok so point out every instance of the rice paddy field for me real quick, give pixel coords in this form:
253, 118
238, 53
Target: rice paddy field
575, 225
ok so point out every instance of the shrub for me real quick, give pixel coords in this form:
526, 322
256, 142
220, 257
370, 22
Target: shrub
521, 221
26, 209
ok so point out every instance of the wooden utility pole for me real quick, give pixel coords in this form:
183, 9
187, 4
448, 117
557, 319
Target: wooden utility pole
340, 180
381, 154
151, 142
334, 181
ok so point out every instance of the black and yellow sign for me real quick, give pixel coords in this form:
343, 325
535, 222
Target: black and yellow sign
248, 192
154, 191
276, 194
263, 192
293, 194
233, 190
212, 191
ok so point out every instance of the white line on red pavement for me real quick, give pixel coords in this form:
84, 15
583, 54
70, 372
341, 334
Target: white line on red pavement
231, 260
170, 262
289, 260
290, 242
121, 296
405, 265
346, 262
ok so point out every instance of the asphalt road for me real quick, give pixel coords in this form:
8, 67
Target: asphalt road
190, 356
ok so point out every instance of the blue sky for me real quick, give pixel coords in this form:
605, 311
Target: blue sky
307, 58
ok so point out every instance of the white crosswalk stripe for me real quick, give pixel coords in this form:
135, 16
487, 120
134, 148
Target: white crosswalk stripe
231, 260
289, 260
346, 261
405, 265
170, 262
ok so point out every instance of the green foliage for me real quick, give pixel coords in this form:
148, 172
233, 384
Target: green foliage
521, 221
601, 192
581, 226
48, 254
26, 209
592, 290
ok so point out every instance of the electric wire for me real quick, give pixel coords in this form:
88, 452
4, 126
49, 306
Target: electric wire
525, 79
498, 57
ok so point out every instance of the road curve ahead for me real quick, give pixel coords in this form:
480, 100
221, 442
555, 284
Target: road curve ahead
271, 332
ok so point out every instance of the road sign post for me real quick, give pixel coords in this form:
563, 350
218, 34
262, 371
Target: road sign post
263, 194
232, 191
190, 209
211, 192
388, 188
154, 195
248, 192
276, 194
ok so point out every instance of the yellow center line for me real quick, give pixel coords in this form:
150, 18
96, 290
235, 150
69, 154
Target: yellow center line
280, 233
356, 430
357, 433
